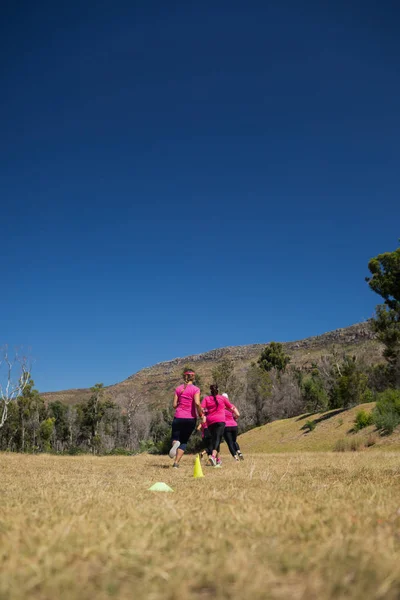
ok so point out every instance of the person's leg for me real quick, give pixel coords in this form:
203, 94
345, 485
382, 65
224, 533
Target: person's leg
206, 443
220, 435
238, 452
229, 438
187, 427
175, 437
217, 431
213, 444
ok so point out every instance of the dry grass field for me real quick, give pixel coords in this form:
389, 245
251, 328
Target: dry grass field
298, 526
290, 435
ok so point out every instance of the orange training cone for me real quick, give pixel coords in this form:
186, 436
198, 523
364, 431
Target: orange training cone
198, 471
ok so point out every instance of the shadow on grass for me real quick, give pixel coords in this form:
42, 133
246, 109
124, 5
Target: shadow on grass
324, 417
305, 416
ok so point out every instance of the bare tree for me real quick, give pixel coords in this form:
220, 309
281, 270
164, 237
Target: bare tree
138, 418
15, 372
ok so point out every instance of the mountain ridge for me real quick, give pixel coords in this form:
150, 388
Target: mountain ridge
157, 381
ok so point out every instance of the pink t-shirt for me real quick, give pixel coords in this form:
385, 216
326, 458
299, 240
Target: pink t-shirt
186, 408
215, 411
230, 420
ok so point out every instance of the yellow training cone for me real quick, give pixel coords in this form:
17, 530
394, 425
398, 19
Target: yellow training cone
198, 471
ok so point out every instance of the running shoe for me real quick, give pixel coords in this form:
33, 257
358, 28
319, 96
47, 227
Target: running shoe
236, 458
219, 461
172, 452
175, 466
213, 461
240, 455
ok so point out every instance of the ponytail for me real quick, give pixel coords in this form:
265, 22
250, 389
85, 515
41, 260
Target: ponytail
214, 392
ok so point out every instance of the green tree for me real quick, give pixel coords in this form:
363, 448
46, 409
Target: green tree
258, 393
313, 391
385, 281
92, 414
351, 386
32, 411
222, 373
274, 357
46, 433
59, 412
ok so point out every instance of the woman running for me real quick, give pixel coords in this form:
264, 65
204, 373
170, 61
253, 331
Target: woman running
214, 406
230, 433
187, 406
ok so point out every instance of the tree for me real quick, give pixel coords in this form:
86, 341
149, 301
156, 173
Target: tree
274, 357
31, 411
46, 433
14, 376
258, 391
59, 412
93, 412
138, 419
385, 281
222, 373
351, 385
313, 391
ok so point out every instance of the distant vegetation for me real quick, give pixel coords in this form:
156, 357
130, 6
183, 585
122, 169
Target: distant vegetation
268, 389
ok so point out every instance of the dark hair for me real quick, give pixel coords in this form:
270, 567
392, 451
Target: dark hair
214, 392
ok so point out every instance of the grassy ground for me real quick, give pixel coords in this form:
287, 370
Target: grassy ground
299, 526
289, 435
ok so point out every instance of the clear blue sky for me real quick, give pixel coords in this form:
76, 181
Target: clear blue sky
179, 176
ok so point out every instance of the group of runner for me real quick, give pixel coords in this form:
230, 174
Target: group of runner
217, 420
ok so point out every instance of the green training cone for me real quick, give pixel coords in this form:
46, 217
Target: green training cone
160, 487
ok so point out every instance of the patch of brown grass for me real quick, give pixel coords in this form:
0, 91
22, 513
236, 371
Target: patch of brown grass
300, 526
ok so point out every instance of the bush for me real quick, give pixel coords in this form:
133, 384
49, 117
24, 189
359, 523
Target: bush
371, 440
386, 414
309, 425
363, 419
120, 452
340, 446
345, 445
75, 451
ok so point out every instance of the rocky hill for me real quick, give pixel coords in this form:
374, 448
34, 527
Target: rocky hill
156, 383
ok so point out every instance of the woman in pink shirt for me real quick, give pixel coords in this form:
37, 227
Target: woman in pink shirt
230, 434
187, 406
214, 407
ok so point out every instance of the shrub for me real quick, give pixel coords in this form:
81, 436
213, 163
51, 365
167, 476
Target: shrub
356, 444
75, 451
341, 446
370, 441
363, 419
309, 425
344, 445
120, 452
386, 414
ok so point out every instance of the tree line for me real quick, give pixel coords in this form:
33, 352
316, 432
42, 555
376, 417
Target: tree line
270, 388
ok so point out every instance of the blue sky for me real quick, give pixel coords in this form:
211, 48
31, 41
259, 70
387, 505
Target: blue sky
176, 177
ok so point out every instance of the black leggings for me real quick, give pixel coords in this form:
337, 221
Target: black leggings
207, 441
230, 435
182, 429
217, 431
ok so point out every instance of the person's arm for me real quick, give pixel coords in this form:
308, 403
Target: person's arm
200, 411
175, 402
232, 408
